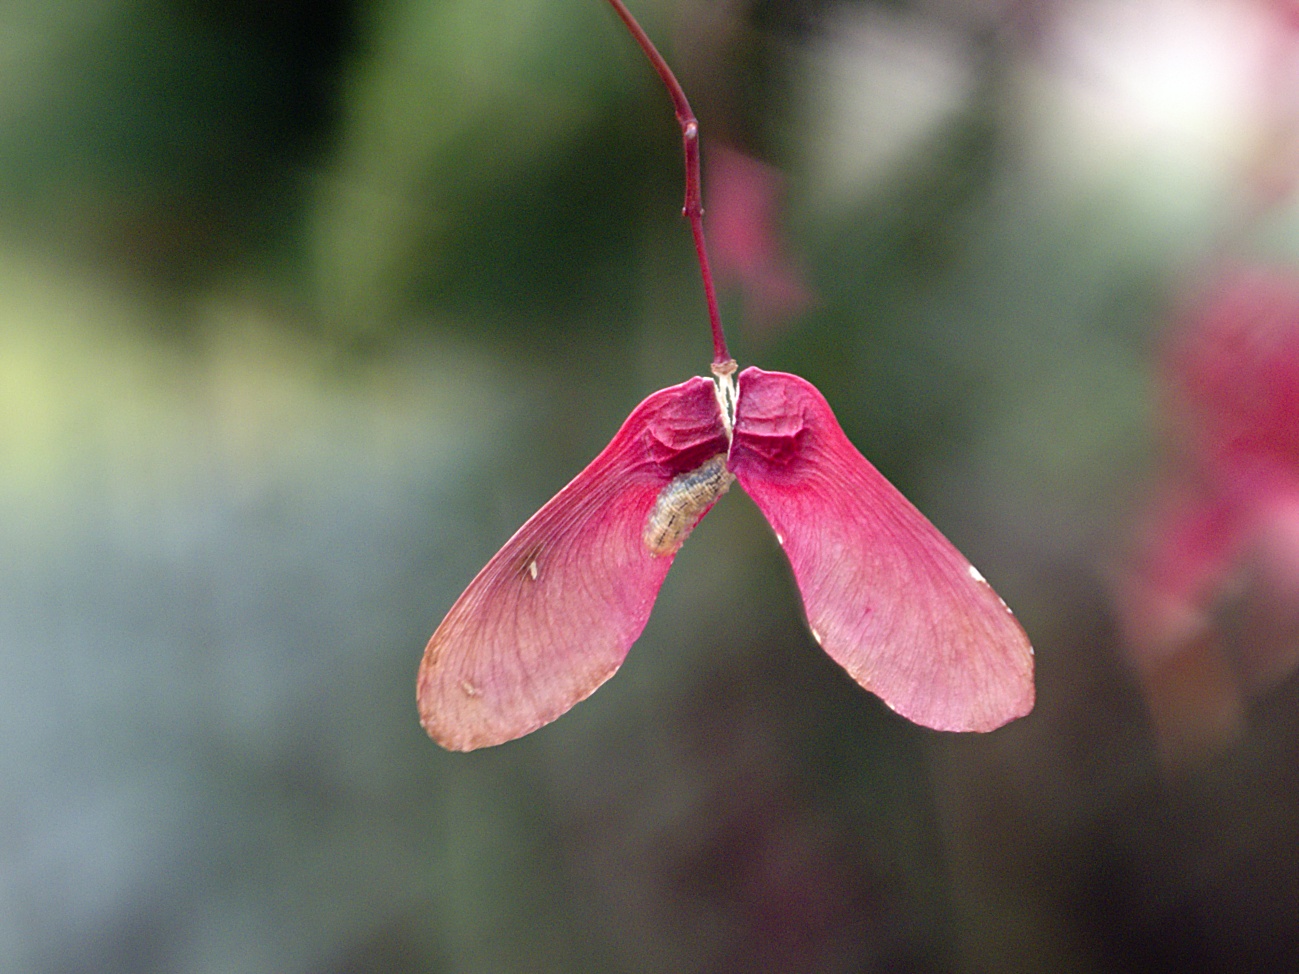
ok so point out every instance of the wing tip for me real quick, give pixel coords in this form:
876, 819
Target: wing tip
453, 730
979, 710
462, 716
964, 699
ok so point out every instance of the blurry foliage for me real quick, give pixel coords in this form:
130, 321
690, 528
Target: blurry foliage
494, 156
166, 137
305, 307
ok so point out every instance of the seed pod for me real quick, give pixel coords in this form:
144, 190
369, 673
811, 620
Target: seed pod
681, 504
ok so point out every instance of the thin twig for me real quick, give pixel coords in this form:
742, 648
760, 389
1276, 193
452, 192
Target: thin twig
693, 210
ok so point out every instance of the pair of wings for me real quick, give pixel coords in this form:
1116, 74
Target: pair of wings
552, 615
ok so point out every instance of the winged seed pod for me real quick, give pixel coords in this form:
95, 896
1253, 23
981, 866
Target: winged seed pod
553, 614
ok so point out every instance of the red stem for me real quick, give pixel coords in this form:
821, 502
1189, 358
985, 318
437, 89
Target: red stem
693, 210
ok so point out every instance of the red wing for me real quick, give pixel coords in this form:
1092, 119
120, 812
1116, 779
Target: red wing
552, 615
888, 597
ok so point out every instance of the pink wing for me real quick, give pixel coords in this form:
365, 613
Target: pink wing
887, 596
552, 615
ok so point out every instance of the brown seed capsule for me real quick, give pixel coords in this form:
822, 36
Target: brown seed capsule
682, 503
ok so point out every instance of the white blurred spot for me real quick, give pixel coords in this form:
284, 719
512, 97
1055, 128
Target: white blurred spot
881, 86
1169, 85
1164, 69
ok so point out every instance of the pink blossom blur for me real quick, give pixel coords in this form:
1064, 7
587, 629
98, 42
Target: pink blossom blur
745, 197
1211, 603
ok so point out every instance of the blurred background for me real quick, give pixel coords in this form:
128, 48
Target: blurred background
305, 307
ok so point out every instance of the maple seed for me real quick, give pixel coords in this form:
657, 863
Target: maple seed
886, 595
683, 502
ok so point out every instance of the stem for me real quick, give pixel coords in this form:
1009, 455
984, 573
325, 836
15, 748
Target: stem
693, 210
